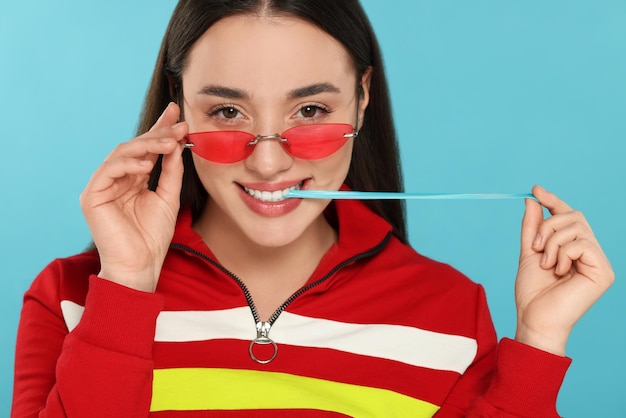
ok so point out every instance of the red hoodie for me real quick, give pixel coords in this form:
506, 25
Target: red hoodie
378, 330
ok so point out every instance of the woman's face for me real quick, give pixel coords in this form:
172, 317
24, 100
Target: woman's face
263, 75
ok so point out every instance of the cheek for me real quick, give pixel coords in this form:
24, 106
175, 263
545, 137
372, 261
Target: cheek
331, 172
210, 174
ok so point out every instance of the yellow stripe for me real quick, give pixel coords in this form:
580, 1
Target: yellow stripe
227, 389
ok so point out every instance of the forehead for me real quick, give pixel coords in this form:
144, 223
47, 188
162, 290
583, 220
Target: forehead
267, 54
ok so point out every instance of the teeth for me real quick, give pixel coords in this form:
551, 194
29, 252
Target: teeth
267, 196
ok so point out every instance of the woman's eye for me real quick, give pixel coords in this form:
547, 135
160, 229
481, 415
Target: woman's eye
229, 112
311, 111
223, 112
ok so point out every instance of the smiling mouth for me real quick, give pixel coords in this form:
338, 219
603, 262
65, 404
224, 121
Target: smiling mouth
275, 196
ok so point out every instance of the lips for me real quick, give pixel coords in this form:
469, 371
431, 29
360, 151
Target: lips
269, 199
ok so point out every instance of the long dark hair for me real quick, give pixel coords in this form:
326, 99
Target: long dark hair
375, 161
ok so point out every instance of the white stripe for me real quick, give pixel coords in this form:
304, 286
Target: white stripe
180, 326
405, 344
72, 312
395, 342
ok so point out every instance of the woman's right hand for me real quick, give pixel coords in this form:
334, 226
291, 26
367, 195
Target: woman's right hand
132, 226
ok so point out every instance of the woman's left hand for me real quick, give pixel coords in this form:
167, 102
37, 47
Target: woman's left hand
562, 273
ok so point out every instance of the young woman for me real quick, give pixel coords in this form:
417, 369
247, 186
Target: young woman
211, 294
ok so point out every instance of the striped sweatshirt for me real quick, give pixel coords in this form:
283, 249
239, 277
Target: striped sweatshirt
377, 331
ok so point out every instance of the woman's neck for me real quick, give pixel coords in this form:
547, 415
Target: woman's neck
271, 273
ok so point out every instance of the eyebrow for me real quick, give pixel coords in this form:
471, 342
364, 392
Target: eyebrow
225, 92
231, 93
312, 90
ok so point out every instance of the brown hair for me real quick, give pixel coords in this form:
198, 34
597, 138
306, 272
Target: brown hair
375, 162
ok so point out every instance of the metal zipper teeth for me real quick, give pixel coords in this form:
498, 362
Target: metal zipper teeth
300, 291
338, 267
223, 269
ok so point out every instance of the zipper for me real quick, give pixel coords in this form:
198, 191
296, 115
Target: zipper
263, 327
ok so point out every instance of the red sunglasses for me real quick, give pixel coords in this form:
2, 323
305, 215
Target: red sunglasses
309, 142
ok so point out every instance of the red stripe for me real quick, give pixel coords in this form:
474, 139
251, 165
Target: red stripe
417, 382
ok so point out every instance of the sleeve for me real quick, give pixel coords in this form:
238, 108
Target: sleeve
526, 383
506, 380
102, 368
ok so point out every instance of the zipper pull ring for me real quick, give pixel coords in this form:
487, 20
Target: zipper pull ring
262, 332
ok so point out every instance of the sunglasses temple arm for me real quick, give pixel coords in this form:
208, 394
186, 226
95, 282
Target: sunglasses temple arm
186, 143
358, 103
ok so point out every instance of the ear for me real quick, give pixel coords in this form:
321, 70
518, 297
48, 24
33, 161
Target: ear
364, 92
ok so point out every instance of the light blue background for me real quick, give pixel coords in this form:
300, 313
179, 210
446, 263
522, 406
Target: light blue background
489, 96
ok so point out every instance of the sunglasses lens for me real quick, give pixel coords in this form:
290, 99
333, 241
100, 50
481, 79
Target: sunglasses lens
312, 142
309, 142
221, 146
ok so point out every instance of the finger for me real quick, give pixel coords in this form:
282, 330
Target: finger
168, 118
590, 262
115, 169
558, 239
565, 256
562, 213
552, 225
177, 131
170, 180
112, 179
550, 201
160, 141
533, 217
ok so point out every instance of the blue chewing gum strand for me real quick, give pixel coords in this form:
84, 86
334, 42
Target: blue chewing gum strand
333, 194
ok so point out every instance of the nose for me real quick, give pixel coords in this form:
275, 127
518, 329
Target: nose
268, 157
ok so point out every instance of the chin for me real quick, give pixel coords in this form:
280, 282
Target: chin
274, 236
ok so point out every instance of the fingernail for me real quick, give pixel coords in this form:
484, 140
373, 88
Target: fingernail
544, 259
537, 241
